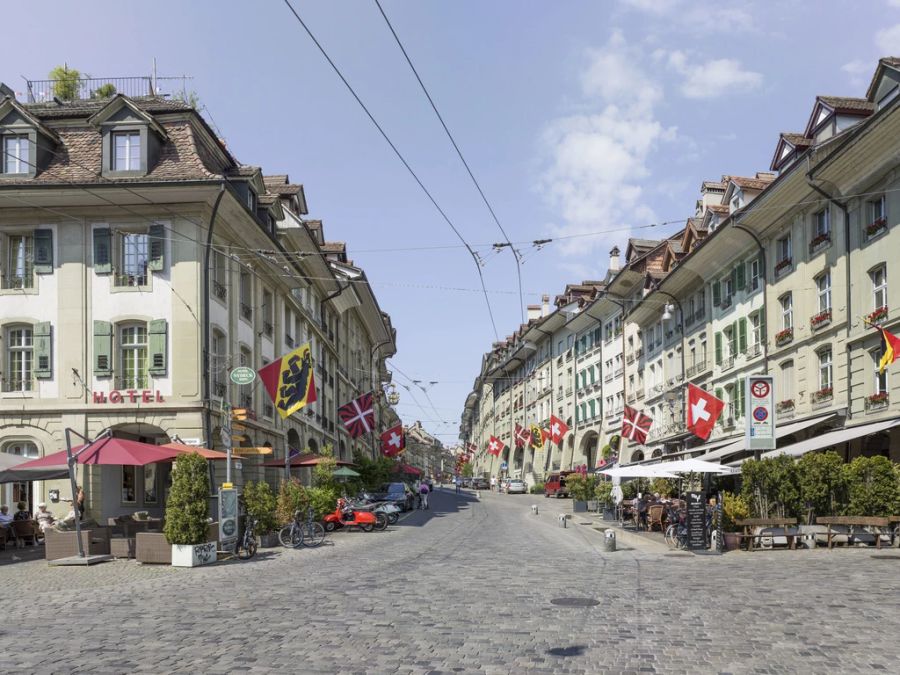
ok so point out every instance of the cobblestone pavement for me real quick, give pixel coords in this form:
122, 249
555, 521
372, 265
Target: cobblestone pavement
465, 587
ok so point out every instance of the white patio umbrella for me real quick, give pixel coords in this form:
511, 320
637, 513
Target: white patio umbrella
696, 466
639, 471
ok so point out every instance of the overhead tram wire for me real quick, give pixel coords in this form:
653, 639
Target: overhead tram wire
402, 160
414, 383
461, 157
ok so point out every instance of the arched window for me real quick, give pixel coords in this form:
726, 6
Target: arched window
133, 363
19, 359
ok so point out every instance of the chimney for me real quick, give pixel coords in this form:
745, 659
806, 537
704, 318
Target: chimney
614, 259
545, 305
534, 312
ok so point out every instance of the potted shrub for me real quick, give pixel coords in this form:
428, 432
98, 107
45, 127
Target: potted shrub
187, 513
260, 503
603, 495
581, 487
734, 508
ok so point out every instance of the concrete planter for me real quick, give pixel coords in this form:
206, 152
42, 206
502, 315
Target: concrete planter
732, 541
609, 513
579, 507
193, 555
593, 505
269, 540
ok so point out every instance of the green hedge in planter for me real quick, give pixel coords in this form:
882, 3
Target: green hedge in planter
292, 497
260, 502
873, 486
581, 487
771, 487
823, 483
537, 489
603, 493
187, 508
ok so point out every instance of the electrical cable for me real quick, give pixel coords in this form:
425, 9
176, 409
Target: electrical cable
402, 160
460, 155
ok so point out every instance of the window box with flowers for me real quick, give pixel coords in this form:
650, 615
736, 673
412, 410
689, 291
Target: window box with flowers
879, 400
876, 227
820, 320
784, 336
820, 242
824, 394
784, 406
782, 265
878, 315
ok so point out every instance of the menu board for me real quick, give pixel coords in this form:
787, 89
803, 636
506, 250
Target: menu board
696, 521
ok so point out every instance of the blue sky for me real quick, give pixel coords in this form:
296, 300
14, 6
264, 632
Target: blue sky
576, 117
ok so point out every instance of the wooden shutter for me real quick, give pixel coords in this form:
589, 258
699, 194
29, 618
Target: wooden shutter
717, 293
157, 235
721, 396
734, 339
102, 348
102, 251
43, 251
158, 338
762, 327
43, 351
742, 334
734, 279
739, 398
741, 276
718, 349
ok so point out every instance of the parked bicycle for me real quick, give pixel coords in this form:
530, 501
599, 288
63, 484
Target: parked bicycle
676, 532
247, 545
299, 533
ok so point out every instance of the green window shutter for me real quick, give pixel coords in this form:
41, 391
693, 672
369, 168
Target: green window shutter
739, 397
741, 276
762, 327
734, 279
43, 351
159, 330
157, 236
721, 396
43, 251
103, 251
719, 350
742, 334
734, 338
717, 293
102, 348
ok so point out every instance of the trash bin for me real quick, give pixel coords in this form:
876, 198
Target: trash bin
609, 541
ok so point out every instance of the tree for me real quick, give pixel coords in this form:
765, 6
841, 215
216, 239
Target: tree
261, 505
187, 511
873, 486
107, 90
292, 497
771, 487
66, 82
191, 98
823, 483
373, 473
468, 470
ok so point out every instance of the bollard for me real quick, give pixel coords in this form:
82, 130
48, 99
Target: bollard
534, 509
563, 520
609, 541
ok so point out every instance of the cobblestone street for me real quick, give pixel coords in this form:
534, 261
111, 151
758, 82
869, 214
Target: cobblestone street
464, 587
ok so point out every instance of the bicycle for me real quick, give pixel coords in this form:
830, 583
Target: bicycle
298, 533
247, 545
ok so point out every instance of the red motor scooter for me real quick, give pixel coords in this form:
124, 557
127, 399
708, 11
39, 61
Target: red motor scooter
346, 516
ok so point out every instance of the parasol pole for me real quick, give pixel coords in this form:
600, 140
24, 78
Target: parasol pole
71, 461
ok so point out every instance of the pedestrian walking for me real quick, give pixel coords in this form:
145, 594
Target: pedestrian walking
458, 482
493, 483
423, 495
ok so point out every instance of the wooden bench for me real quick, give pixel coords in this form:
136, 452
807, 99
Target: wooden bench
853, 521
749, 523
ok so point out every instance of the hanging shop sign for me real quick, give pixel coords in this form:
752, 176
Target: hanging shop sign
128, 396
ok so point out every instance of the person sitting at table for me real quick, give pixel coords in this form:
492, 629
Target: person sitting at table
43, 517
22, 513
5, 529
642, 511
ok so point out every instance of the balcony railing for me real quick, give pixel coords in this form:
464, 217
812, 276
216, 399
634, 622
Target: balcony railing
219, 389
246, 312
727, 362
289, 340
132, 280
14, 384
753, 350
246, 400
697, 369
268, 410
132, 382
40, 91
17, 281
219, 290
268, 328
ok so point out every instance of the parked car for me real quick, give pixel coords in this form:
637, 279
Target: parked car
517, 486
555, 485
481, 484
396, 493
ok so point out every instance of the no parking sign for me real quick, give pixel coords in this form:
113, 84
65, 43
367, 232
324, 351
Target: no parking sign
760, 395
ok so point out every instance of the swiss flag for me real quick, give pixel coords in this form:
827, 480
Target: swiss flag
558, 429
703, 409
393, 441
495, 445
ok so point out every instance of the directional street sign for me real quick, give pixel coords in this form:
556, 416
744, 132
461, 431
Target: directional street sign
760, 434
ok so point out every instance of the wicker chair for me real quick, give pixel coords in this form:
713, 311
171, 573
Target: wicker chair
64, 545
655, 516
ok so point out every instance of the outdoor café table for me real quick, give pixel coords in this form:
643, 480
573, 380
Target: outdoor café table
851, 522
785, 523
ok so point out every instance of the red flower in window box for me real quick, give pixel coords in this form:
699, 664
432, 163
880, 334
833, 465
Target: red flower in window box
787, 404
876, 226
877, 399
784, 336
823, 394
877, 315
821, 318
781, 264
821, 239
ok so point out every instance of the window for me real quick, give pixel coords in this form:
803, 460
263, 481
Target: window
729, 342
134, 257
19, 359
727, 290
879, 287
755, 274
220, 276
126, 151
879, 379
251, 199
150, 490
825, 381
19, 262
787, 311
15, 154
877, 209
783, 249
787, 381
823, 289
245, 391
755, 328
129, 484
246, 300
268, 313
133, 363
821, 225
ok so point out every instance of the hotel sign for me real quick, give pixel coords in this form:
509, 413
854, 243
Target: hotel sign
128, 396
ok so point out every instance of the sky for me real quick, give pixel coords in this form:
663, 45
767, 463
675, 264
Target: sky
584, 122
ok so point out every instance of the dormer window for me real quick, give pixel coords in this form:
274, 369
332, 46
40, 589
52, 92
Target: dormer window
16, 154
126, 151
251, 199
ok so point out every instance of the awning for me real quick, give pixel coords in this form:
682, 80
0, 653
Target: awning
115, 451
638, 471
781, 431
694, 466
832, 438
309, 459
11, 473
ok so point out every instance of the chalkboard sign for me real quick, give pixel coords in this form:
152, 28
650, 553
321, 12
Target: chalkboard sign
696, 521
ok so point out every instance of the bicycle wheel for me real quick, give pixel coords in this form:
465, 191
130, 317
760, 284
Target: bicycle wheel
381, 522
314, 535
290, 536
670, 536
246, 548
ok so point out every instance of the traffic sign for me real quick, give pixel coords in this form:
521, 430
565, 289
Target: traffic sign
760, 432
242, 375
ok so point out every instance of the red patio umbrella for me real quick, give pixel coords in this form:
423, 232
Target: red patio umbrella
118, 451
406, 468
206, 453
309, 459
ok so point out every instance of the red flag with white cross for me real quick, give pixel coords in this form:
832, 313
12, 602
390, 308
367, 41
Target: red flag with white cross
523, 436
703, 409
495, 446
393, 441
635, 425
558, 429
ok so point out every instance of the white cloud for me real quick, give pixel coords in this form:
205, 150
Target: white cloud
712, 78
696, 17
597, 162
888, 41
859, 71
894, 3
